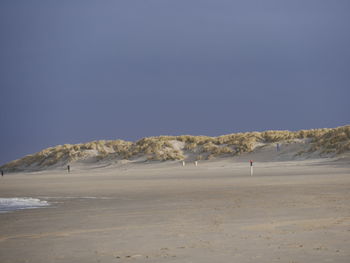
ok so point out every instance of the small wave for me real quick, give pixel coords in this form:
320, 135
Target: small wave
12, 204
73, 197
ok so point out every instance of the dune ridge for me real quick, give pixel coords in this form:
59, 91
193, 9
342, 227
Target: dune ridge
326, 142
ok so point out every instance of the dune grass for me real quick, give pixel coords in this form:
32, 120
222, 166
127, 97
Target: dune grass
322, 141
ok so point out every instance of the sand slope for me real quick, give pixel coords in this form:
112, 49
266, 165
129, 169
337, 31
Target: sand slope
304, 144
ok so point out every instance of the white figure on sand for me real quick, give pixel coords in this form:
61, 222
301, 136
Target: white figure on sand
251, 167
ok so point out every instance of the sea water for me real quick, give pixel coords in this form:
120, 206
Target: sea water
12, 204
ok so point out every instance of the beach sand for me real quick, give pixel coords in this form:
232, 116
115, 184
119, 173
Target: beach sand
163, 212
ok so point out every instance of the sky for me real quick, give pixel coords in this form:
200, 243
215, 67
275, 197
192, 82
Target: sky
73, 71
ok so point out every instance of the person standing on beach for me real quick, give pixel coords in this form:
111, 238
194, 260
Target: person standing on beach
68, 168
2, 173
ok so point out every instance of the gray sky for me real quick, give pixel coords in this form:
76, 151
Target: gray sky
78, 70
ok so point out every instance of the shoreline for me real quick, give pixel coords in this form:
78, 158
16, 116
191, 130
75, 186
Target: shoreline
163, 213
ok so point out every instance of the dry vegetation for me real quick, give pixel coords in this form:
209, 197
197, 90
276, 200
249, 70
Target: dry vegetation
322, 141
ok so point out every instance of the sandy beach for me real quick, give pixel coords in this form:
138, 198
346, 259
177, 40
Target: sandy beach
162, 212
175, 131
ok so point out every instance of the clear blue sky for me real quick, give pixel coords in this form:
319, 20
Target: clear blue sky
73, 71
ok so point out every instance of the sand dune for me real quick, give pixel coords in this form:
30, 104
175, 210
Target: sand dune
121, 203
297, 145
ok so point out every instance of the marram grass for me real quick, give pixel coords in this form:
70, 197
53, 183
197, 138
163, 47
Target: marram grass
162, 148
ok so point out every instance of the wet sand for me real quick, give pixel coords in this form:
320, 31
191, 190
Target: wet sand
287, 212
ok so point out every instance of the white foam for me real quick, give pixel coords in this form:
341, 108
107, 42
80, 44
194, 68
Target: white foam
73, 197
12, 204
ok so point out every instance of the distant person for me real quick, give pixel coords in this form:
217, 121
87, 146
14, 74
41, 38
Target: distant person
278, 147
68, 168
251, 162
2, 173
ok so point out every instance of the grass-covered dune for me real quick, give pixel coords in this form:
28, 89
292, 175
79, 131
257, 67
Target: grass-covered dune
319, 142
